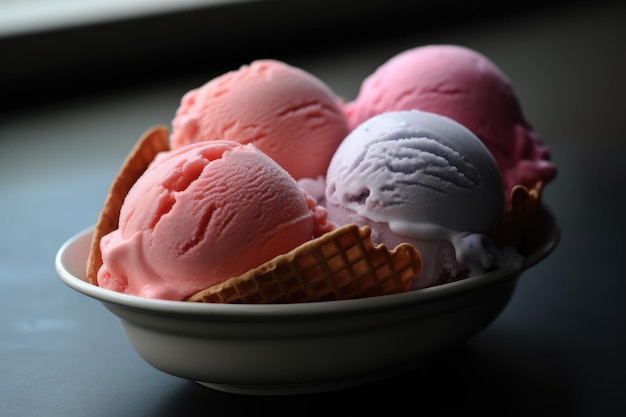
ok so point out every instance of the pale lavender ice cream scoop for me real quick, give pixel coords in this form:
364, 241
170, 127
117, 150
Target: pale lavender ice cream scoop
421, 178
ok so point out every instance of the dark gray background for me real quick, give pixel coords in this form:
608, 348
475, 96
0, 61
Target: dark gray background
67, 123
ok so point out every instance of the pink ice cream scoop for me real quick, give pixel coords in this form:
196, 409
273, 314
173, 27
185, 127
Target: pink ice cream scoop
284, 111
421, 178
201, 214
462, 84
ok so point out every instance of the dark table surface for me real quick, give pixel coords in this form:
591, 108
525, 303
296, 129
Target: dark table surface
558, 349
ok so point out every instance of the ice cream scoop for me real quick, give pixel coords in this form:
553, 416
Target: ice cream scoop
201, 214
421, 178
284, 111
464, 85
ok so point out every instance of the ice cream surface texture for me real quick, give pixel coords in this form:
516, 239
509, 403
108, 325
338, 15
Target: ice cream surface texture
284, 111
201, 214
421, 178
464, 85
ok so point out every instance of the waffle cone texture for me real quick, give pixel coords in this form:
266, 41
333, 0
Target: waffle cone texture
512, 226
342, 264
153, 141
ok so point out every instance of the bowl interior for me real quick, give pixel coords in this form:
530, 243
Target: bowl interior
72, 256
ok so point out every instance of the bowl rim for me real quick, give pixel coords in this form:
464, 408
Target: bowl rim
295, 310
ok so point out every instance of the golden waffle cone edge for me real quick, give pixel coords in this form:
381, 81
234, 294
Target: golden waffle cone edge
341, 264
512, 225
153, 141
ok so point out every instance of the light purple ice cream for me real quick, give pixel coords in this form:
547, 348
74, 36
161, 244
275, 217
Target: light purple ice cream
421, 178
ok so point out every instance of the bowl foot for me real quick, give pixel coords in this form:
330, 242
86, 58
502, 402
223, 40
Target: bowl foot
303, 388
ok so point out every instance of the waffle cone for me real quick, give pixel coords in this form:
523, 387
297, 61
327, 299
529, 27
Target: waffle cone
513, 224
341, 264
153, 141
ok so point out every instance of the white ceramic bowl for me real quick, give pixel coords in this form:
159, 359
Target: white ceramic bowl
284, 349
